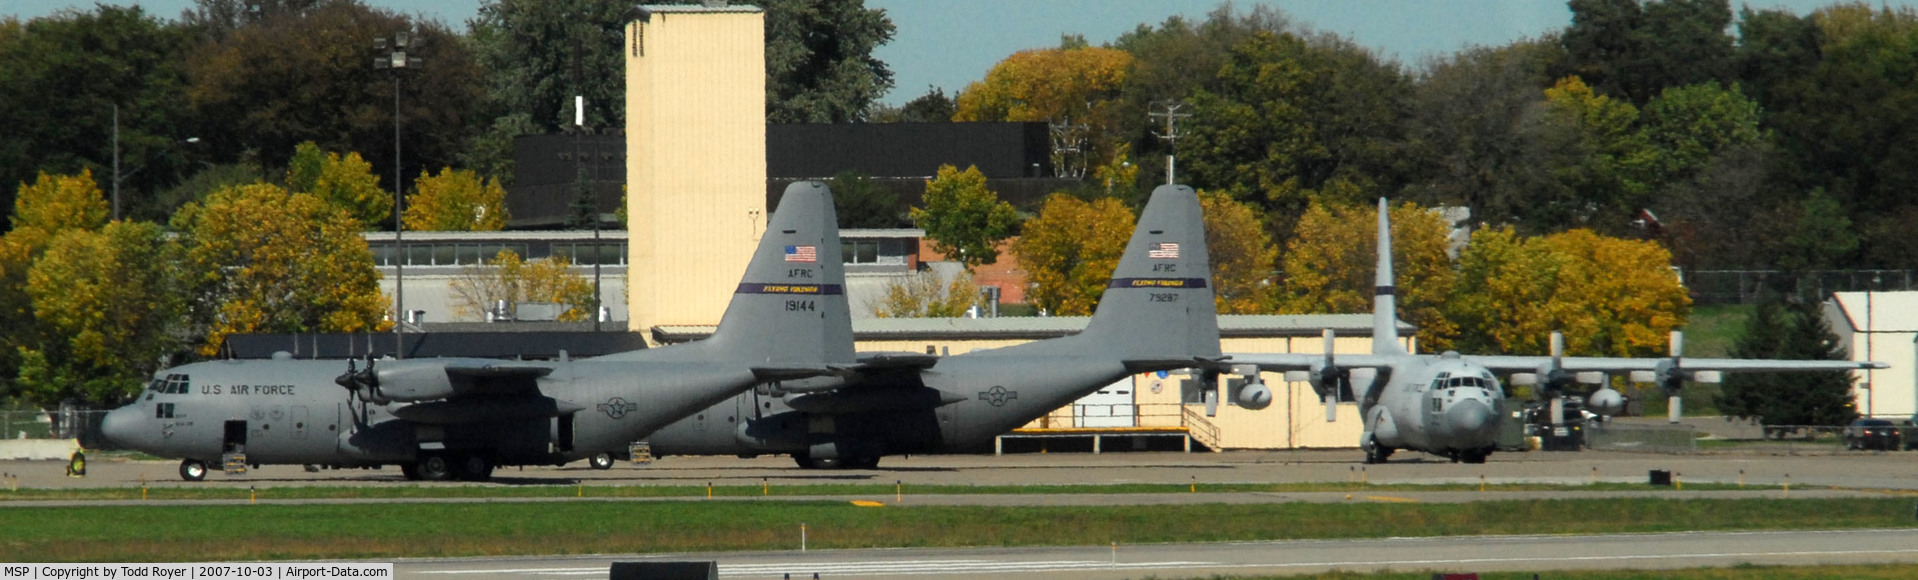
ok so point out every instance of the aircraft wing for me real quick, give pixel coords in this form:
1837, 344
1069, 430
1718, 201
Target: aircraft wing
1619, 365
495, 379
1299, 361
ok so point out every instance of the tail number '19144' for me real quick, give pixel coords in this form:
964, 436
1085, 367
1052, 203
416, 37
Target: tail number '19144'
800, 306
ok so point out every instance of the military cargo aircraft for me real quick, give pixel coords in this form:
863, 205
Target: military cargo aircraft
1450, 404
1157, 313
443, 418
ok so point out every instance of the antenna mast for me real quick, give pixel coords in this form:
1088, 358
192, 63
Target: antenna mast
1171, 135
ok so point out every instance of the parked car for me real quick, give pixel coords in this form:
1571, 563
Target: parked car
1873, 434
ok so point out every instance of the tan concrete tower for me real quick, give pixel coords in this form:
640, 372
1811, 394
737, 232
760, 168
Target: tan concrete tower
696, 159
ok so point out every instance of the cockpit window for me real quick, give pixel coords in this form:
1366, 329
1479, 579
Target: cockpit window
174, 384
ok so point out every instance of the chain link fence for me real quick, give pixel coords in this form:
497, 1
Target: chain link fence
1743, 286
80, 424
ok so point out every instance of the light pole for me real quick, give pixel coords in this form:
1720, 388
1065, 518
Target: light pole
398, 61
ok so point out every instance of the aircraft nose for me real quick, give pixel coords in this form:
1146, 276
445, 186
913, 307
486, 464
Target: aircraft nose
1471, 416
119, 425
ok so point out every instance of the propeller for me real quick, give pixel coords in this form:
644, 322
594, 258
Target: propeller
1670, 375
1551, 377
1327, 377
364, 382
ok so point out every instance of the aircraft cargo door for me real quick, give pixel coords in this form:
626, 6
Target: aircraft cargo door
1110, 406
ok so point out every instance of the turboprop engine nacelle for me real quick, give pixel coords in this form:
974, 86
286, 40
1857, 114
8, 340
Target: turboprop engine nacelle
1254, 394
1606, 401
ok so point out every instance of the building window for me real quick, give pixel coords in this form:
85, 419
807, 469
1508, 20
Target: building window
888, 251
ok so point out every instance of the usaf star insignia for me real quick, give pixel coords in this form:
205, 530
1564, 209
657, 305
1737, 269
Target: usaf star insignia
617, 407
997, 396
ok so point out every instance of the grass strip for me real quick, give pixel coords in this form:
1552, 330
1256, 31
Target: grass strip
274, 532
1741, 572
241, 490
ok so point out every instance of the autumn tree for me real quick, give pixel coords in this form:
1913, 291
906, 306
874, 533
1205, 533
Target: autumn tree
260, 259
1331, 266
513, 280
53, 205
1610, 296
456, 200
928, 294
1595, 155
1243, 257
106, 305
346, 182
1074, 89
1070, 250
963, 219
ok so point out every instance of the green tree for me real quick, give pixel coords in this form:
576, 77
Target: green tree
1070, 250
346, 182
1595, 155
260, 259
1473, 133
1632, 49
1331, 266
932, 107
819, 63
64, 76
240, 79
1821, 237
1294, 121
1244, 258
106, 305
861, 203
1789, 332
964, 220
456, 200
515, 281
927, 294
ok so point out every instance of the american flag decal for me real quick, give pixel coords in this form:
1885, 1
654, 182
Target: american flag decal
1164, 251
802, 254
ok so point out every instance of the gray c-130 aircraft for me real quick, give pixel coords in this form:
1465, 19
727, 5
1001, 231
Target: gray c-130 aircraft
1451, 404
1157, 313
443, 418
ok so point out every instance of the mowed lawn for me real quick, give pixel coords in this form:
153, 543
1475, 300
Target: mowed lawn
122, 533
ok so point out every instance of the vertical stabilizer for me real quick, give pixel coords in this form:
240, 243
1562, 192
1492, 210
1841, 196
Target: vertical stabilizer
1159, 305
791, 304
1385, 309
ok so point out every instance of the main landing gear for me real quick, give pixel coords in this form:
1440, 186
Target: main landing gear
442, 467
192, 470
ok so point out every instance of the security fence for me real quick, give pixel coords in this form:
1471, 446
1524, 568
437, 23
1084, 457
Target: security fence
83, 425
1744, 286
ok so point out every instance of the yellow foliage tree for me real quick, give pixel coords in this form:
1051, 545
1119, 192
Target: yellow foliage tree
1069, 252
515, 280
1330, 266
1069, 87
456, 200
51, 205
260, 259
926, 294
1610, 296
346, 182
1243, 255
105, 302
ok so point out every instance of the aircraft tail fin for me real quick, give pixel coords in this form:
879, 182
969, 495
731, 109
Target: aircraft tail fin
1385, 310
1158, 305
791, 305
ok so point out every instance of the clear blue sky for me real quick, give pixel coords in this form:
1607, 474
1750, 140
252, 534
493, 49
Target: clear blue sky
948, 43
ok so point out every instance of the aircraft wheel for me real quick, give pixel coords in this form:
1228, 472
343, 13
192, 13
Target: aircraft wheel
601, 461
1474, 456
434, 467
809, 462
476, 468
192, 470
410, 470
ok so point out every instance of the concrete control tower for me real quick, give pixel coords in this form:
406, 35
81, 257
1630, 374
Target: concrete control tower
696, 159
